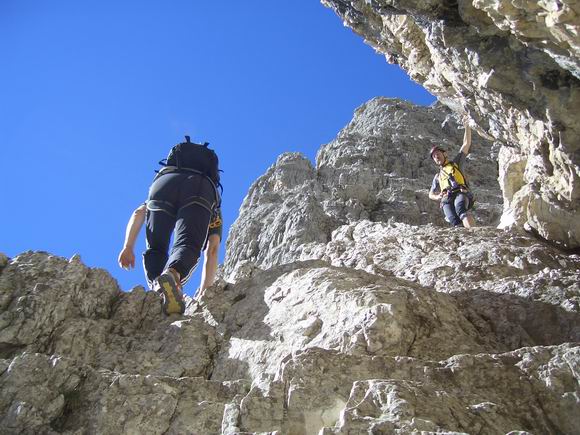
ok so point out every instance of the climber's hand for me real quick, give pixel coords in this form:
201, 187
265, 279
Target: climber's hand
127, 258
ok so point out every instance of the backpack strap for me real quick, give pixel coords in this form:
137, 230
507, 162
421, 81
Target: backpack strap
444, 174
177, 156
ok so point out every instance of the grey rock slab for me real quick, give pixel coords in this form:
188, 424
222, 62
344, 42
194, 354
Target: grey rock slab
302, 305
523, 290
532, 389
55, 306
49, 394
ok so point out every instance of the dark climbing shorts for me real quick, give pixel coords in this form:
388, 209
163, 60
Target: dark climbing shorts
182, 204
455, 207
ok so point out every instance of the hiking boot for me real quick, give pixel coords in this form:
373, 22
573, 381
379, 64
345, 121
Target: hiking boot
172, 296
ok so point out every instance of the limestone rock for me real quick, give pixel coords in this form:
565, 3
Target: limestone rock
281, 213
377, 168
532, 389
516, 67
312, 304
527, 292
549, 26
42, 394
3, 261
54, 306
80, 356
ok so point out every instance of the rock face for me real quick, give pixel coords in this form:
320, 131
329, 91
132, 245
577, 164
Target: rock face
81, 356
516, 67
378, 168
345, 306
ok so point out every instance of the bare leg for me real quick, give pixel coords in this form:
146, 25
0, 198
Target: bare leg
461, 203
210, 261
468, 221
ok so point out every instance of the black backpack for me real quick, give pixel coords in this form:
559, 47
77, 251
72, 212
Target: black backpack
194, 157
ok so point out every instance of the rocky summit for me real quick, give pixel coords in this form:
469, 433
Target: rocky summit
346, 305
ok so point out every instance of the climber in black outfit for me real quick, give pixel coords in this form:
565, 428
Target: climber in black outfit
183, 199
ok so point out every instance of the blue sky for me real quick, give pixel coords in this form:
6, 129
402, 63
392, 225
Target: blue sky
94, 93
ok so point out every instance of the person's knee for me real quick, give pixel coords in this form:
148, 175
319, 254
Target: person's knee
184, 260
185, 255
189, 246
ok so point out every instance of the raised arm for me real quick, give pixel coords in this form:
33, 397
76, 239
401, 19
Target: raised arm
127, 254
466, 137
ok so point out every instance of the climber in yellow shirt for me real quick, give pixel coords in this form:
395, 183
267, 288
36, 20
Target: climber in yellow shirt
450, 185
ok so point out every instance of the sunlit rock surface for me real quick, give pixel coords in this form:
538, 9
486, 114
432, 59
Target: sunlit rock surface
516, 67
81, 356
378, 168
345, 306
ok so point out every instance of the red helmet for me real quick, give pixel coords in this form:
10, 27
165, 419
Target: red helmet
436, 148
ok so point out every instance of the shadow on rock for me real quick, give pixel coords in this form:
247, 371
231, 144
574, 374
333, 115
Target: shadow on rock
517, 321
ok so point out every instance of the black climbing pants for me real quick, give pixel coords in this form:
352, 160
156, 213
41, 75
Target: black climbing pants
180, 203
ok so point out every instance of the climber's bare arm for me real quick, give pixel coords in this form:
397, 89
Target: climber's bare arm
127, 255
466, 137
210, 261
435, 196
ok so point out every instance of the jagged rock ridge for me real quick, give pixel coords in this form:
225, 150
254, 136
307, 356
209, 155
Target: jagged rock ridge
516, 67
378, 168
